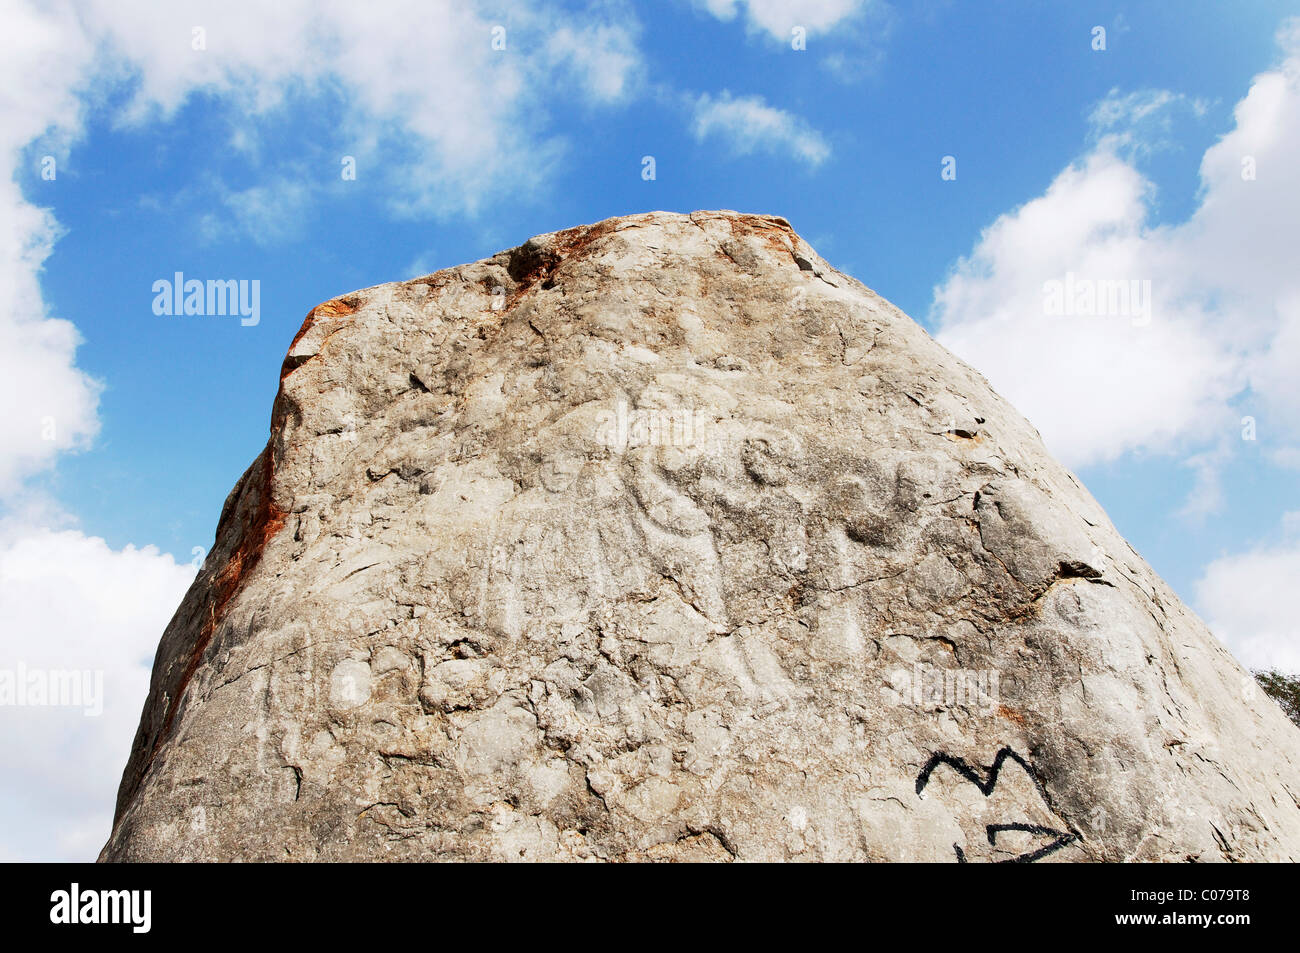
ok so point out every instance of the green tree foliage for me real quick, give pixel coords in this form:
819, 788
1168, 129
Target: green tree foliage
1283, 689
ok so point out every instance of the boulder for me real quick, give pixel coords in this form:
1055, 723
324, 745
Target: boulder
662, 540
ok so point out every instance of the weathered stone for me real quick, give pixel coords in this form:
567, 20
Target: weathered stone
660, 539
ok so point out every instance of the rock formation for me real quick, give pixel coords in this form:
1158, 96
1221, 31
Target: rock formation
661, 539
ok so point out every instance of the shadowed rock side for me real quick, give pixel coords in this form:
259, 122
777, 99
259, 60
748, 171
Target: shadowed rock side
660, 539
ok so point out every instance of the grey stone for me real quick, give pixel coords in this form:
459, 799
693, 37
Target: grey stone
660, 539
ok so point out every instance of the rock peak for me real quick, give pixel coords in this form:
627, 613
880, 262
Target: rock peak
661, 539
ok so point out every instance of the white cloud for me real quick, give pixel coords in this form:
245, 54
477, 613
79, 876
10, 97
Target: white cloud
1094, 385
421, 265
69, 602
1287, 457
748, 124
858, 29
1142, 121
1245, 600
47, 405
604, 58
1126, 109
1206, 496
268, 213
778, 17
1224, 289
470, 120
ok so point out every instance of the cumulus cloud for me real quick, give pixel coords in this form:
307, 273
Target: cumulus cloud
779, 17
1238, 596
49, 406
1223, 322
1095, 385
460, 95
71, 604
748, 124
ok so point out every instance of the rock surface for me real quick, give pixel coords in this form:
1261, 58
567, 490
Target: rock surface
660, 539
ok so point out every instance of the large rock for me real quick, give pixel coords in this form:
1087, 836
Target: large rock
660, 539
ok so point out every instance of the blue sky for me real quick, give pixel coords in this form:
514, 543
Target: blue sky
225, 162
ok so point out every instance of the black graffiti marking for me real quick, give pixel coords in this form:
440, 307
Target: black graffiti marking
992, 830
986, 785
1062, 839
